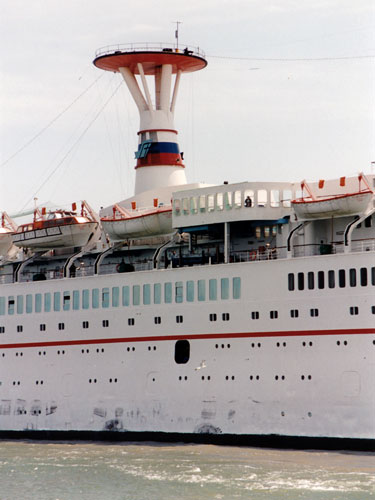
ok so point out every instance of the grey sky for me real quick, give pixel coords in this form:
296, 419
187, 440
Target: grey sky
237, 119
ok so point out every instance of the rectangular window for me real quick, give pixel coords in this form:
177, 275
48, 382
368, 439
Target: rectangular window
85, 299
255, 315
19, 304
287, 197
224, 282
157, 293
179, 292
228, 200
310, 280
320, 279
363, 275
56, 301
125, 296
11, 305
190, 291
66, 301
237, 199
95, 298
225, 317
219, 201
301, 281
2, 306
201, 290
29, 303
290, 282
213, 317
38, 302
373, 276
47, 302
115, 296
168, 293
202, 203
236, 288
76, 300
194, 204
342, 278
274, 314
275, 198
212, 289
294, 313
147, 295
331, 279
136, 295
314, 313
352, 277
210, 203
105, 297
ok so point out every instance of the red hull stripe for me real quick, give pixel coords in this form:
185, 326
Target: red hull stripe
198, 336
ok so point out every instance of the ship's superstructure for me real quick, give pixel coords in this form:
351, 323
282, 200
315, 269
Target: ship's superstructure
238, 312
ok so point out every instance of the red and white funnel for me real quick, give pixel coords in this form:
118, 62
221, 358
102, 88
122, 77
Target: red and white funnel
159, 161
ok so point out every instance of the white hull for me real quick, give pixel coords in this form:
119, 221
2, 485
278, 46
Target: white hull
72, 235
244, 376
339, 206
138, 226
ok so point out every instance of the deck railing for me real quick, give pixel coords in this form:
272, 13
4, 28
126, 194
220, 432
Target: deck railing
149, 47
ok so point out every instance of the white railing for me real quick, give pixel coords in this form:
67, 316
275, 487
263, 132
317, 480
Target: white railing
149, 47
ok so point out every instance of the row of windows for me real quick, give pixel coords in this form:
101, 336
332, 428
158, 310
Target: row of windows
232, 199
294, 313
331, 279
136, 295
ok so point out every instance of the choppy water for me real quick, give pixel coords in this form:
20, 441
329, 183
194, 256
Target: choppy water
82, 471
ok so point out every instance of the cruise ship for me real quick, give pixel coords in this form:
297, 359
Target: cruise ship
234, 313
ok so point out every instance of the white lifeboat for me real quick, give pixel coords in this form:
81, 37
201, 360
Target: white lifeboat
57, 229
338, 205
7, 228
137, 223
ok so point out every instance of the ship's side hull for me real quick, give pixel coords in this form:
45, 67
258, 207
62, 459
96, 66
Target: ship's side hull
236, 363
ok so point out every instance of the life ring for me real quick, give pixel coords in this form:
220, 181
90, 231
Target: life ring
118, 268
253, 255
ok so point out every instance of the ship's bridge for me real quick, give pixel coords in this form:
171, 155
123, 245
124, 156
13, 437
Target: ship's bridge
233, 202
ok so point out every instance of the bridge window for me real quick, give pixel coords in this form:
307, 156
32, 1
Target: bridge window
219, 201
275, 198
287, 197
262, 197
202, 203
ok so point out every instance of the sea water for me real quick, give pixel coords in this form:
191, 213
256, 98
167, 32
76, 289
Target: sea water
128, 471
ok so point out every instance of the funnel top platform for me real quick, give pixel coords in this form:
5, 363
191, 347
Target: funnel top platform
151, 56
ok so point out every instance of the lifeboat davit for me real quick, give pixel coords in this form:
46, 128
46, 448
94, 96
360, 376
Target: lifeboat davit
57, 229
137, 223
7, 228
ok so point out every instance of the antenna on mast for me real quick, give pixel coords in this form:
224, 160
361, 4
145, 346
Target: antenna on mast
176, 32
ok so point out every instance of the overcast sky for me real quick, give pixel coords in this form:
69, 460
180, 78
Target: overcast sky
288, 93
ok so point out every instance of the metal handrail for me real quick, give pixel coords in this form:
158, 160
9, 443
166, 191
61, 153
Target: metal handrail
149, 46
